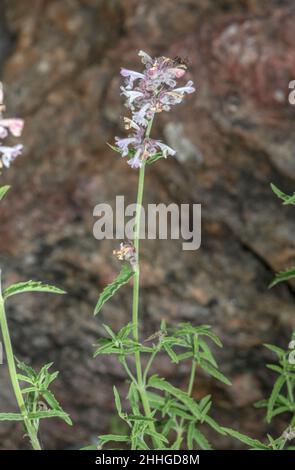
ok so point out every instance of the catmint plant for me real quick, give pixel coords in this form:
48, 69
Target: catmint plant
31, 388
159, 414
282, 398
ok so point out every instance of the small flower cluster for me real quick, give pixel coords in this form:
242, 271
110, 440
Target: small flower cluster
15, 127
152, 91
126, 253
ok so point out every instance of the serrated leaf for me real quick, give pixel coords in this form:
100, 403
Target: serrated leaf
27, 369
117, 400
213, 424
214, 372
285, 197
11, 417
113, 438
123, 277
275, 368
253, 443
283, 276
199, 437
138, 418
3, 191
30, 286
273, 397
50, 414
279, 351
183, 397
54, 404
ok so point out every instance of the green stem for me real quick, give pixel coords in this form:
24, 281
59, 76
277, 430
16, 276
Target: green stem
192, 378
135, 302
13, 375
189, 392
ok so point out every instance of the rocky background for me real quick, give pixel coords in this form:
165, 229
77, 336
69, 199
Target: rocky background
60, 63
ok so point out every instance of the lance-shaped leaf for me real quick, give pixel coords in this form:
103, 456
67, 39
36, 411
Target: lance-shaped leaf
30, 286
123, 277
11, 417
3, 191
283, 276
285, 197
50, 414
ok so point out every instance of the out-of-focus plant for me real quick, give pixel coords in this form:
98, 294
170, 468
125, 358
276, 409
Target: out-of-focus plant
34, 399
159, 415
282, 397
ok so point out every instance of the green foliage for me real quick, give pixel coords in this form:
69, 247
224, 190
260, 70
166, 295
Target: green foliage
288, 273
285, 197
39, 400
123, 277
281, 399
175, 416
283, 276
30, 286
3, 191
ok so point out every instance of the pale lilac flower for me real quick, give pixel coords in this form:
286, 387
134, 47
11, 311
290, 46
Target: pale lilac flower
148, 92
14, 125
165, 149
130, 76
131, 95
136, 162
123, 144
140, 116
9, 153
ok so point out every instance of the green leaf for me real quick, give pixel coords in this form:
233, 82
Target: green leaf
253, 443
213, 424
113, 438
275, 368
11, 417
157, 435
138, 418
279, 351
53, 403
123, 277
117, 401
116, 149
273, 397
3, 191
30, 286
171, 354
154, 158
90, 447
50, 414
283, 276
161, 384
285, 197
214, 372
199, 437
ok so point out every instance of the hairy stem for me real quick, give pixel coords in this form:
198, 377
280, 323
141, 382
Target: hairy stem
13, 375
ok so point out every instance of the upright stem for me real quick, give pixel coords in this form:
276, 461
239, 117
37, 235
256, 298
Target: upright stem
135, 302
192, 377
189, 392
13, 375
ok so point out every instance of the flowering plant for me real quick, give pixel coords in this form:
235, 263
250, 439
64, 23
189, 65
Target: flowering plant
160, 415
31, 388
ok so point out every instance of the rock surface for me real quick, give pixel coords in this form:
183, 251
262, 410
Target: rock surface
236, 136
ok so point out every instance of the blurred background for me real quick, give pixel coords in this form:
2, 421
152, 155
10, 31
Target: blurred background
60, 62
